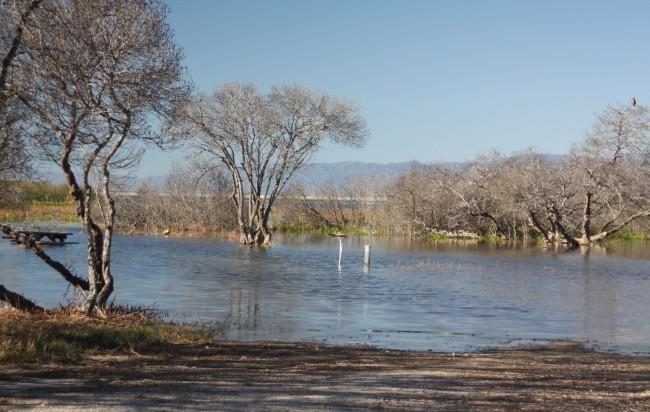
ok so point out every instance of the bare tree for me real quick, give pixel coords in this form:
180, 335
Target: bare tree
612, 166
262, 139
97, 76
16, 20
18, 301
596, 191
14, 16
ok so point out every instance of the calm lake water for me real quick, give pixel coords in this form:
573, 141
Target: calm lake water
444, 296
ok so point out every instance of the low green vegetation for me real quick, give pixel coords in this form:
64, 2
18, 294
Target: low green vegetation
45, 193
490, 238
40, 214
38, 202
326, 230
630, 234
66, 335
437, 236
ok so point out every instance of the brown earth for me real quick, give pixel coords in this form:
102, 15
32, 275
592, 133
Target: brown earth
284, 376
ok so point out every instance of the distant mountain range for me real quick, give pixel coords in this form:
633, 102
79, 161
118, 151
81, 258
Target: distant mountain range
314, 175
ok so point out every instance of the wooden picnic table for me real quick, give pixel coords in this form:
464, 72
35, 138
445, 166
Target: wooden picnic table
37, 235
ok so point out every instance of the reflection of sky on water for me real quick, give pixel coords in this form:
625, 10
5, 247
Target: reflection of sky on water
416, 295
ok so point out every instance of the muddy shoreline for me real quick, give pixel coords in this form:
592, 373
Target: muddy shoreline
297, 376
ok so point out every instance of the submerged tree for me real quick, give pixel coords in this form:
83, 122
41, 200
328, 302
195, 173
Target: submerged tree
608, 173
262, 139
96, 78
595, 192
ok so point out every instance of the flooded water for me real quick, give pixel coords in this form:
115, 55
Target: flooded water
442, 296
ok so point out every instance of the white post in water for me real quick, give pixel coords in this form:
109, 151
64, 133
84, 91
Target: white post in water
366, 256
340, 251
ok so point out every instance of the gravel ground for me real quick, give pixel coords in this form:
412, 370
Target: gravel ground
293, 376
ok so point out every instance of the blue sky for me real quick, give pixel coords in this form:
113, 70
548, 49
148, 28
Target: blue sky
436, 81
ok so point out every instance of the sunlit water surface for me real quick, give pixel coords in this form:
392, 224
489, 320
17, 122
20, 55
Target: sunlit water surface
444, 296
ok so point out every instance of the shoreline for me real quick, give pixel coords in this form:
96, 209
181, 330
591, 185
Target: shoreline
63, 215
232, 375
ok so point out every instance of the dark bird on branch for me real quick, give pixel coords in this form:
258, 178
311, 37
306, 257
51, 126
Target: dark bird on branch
633, 102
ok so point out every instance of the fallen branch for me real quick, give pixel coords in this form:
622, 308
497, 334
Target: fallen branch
18, 301
27, 241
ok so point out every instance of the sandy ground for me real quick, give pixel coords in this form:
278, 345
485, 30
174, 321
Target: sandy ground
282, 376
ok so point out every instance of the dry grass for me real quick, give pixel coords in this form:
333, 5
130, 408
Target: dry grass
62, 212
67, 334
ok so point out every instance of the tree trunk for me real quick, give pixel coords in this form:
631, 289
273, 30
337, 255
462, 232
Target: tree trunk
266, 241
18, 301
264, 235
561, 233
109, 220
535, 223
39, 252
83, 209
245, 232
253, 229
585, 240
107, 277
13, 51
265, 213
604, 234
95, 245
498, 228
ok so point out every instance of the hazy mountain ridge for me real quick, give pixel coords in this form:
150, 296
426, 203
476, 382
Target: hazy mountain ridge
314, 175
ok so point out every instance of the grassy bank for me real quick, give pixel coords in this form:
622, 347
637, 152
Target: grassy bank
39, 202
41, 212
67, 335
42, 209
630, 234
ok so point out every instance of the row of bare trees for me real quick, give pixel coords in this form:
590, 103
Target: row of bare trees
359, 202
597, 190
588, 195
195, 197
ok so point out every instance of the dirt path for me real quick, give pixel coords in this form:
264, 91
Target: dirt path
279, 376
